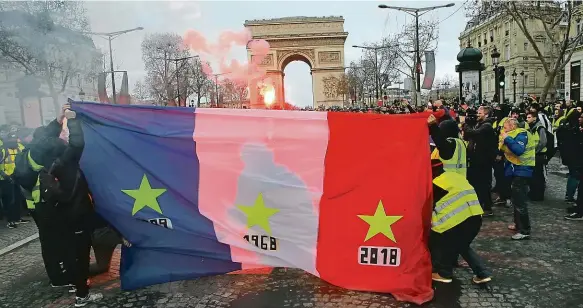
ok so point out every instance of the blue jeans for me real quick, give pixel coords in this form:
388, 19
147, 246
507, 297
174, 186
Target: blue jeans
572, 183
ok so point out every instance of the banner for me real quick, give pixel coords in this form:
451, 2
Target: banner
429, 71
212, 191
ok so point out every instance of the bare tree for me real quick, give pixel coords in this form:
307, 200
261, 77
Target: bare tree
343, 87
45, 40
235, 93
546, 26
140, 91
162, 54
405, 41
199, 82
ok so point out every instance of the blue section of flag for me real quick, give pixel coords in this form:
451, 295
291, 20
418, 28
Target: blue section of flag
122, 145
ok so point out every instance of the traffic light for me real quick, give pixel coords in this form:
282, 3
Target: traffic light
501, 77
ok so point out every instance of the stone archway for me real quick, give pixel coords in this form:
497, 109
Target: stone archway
317, 41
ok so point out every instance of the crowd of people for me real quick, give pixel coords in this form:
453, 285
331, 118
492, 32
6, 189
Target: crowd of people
471, 149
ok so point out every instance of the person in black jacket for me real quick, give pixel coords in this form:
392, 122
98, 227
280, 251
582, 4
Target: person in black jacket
65, 193
482, 150
574, 143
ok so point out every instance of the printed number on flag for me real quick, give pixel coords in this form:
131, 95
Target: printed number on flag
379, 256
263, 242
162, 222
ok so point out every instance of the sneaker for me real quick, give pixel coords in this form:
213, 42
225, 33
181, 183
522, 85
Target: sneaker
478, 280
82, 301
574, 216
72, 289
519, 236
11, 225
61, 285
499, 201
438, 278
22, 221
488, 213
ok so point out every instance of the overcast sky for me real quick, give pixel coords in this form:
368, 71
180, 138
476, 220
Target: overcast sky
363, 21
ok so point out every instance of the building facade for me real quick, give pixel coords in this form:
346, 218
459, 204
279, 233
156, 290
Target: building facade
499, 30
572, 73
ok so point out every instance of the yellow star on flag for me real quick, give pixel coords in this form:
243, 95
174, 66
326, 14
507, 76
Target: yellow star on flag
258, 214
145, 196
380, 223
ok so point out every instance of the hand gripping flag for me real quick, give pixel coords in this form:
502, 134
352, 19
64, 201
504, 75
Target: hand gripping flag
346, 197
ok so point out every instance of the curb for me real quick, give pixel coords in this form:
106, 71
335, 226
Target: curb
25, 241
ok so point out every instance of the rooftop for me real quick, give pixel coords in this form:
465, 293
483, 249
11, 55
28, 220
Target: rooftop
294, 19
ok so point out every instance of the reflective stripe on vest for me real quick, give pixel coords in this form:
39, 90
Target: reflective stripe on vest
528, 157
460, 202
9, 162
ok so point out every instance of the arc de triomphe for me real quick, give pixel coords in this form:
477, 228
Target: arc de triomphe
317, 41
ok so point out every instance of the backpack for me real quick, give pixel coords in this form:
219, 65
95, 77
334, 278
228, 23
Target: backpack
23, 173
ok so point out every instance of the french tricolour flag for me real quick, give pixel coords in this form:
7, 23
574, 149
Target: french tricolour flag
345, 197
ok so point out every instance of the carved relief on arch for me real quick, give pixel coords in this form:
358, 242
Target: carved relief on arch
308, 53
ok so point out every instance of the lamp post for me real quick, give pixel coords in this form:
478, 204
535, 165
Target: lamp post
415, 12
495, 58
376, 68
514, 85
110, 36
522, 76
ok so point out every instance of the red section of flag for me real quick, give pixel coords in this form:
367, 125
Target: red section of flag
389, 163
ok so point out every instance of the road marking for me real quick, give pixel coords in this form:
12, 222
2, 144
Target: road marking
18, 244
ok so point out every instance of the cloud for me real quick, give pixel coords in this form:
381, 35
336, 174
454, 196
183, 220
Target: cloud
188, 10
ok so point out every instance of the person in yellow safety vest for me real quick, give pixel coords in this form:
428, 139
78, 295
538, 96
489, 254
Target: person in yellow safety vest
449, 147
519, 154
9, 190
539, 136
455, 222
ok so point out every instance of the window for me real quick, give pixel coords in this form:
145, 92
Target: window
576, 3
506, 29
491, 35
578, 26
525, 46
507, 52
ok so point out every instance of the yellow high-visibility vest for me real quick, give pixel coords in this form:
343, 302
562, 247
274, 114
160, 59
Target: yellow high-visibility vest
35, 167
460, 203
9, 157
528, 157
458, 163
536, 139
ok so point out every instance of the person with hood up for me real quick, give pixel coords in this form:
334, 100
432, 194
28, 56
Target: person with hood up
577, 145
449, 147
61, 197
455, 222
569, 137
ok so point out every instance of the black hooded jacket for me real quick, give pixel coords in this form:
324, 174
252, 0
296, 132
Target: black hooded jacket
440, 134
53, 153
482, 143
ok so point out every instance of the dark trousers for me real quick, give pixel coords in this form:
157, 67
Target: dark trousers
77, 259
480, 177
11, 200
502, 182
520, 203
51, 231
537, 182
104, 244
447, 246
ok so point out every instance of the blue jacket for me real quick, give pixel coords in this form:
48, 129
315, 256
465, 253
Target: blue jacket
517, 146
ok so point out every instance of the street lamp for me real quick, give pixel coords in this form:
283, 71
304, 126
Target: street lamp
522, 76
495, 58
376, 68
110, 36
415, 13
514, 85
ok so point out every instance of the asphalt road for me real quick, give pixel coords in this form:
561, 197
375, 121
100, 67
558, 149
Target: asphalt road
545, 271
